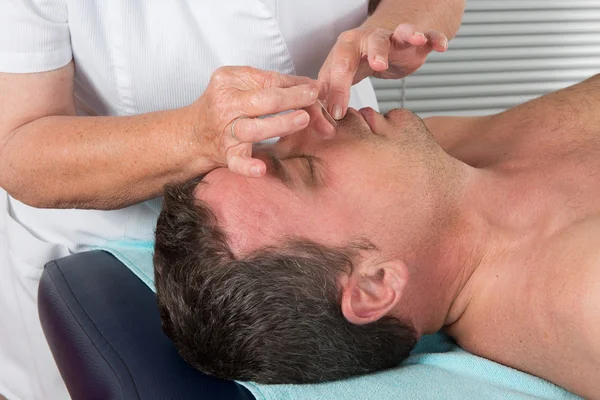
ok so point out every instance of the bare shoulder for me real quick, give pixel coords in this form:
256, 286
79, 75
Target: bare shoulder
576, 105
551, 125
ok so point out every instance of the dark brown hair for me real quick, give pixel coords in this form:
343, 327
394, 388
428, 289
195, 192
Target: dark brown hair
271, 317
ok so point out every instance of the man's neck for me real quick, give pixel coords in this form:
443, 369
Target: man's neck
444, 267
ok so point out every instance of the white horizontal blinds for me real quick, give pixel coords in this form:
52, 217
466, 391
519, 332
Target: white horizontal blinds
506, 52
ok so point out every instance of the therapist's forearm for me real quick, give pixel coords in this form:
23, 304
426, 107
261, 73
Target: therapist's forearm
99, 162
440, 15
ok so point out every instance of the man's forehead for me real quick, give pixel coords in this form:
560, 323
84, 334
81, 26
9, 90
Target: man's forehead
223, 191
251, 211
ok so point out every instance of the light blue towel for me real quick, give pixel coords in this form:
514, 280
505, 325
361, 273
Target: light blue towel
437, 368
136, 255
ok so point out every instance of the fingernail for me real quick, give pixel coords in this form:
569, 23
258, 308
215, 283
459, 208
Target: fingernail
311, 93
301, 119
444, 43
380, 59
256, 170
337, 112
420, 34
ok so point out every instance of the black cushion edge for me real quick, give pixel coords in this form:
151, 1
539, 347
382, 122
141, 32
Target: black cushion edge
122, 355
86, 376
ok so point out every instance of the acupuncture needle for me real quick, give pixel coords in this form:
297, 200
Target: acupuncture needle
328, 116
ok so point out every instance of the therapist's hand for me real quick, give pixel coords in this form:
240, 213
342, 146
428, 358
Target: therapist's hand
366, 51
241, 94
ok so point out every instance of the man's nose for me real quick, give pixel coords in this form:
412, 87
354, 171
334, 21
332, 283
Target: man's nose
322, 124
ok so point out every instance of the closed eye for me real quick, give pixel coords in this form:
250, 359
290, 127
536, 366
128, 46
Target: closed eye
309, 169
303, 168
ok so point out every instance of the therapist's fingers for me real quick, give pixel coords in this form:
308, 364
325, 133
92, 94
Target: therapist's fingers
345, 58
322, 125
247, 166
378, 51
248, 78
226, 116
437, 40
273, 100
275, 79
253, 130
407, 34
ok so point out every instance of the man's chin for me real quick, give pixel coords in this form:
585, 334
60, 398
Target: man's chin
401, 116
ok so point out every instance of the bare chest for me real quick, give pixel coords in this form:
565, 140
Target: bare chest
540, 309
537, 306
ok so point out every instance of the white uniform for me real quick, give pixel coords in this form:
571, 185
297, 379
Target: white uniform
131, 57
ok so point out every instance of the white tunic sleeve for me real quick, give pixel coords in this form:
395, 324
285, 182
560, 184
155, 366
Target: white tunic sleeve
34, 35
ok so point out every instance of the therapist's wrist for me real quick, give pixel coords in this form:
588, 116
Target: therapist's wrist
379, 22
197, 142
443, 16
390, 23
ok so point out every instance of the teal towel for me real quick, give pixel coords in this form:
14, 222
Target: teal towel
436, 369
136, 255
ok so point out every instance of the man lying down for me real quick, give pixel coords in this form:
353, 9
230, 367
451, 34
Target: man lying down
352, 248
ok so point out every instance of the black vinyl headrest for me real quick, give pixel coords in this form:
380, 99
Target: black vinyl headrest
103, 327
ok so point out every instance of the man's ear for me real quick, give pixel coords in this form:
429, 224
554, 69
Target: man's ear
371, 292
